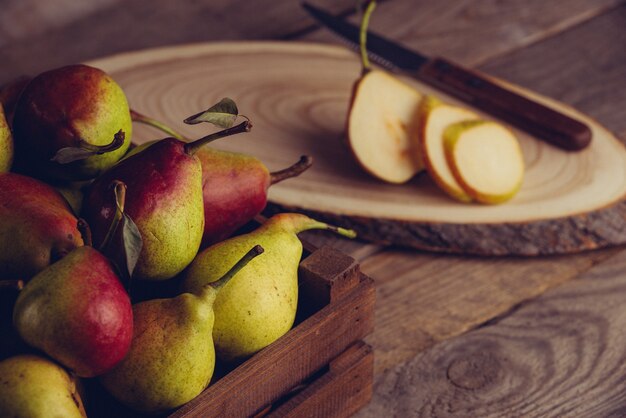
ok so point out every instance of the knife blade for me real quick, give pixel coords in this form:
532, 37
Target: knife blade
470, 86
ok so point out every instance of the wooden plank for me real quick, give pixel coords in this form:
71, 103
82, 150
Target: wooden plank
25, 18
584, 67
343, 390
473, 31
561, 355
136, 24
423, 299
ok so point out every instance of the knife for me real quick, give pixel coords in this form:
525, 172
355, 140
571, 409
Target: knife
470, 86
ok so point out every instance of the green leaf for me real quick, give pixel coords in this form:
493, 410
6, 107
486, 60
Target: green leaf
222, 114
132, 243
71, 154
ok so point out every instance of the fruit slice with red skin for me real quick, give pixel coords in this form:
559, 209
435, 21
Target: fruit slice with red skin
37, 226
435, 117
382, 127
77, 312
486, 160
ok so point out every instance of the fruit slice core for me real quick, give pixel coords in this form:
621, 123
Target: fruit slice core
382, 127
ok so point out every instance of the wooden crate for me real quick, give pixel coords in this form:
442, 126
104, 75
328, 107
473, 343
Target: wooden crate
319, 368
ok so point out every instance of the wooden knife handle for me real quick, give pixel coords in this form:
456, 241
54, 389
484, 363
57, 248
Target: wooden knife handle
537, 119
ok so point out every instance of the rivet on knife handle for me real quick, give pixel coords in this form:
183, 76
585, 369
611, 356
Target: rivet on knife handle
528, 115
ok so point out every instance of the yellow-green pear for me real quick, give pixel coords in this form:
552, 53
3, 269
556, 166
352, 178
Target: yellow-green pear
6, 143
259, 305
32, 386
172, 357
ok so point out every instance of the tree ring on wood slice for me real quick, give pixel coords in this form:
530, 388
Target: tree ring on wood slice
297, 96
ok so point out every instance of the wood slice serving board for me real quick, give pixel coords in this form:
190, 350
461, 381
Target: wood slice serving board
297, 95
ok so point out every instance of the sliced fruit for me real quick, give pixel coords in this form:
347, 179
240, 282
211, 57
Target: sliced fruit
435, 117
486, 160
382, 127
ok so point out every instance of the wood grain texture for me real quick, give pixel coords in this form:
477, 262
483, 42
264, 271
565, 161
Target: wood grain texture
137, 24
339, 393
584, 67
561, 355
474, 31
424, 299
298, 95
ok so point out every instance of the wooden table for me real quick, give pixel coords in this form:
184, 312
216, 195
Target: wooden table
455, 336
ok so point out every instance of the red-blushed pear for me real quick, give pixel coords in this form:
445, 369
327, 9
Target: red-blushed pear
37, 226
164, 199
382, 121
33, 386
435, 117
234, 185
77, 310
486, 160
258, 305
172, 356
234, 189
65, 123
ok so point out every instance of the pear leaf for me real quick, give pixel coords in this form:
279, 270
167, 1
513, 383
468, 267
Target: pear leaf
222, 114
132, 243
71, 154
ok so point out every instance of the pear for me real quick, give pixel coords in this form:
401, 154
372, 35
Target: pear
73, 107
234, 185
436, 116
164, 199
486, 160
172, 356
77, 312
32, 386
6, 143
259, 305
234, 189
382, 126
37, 227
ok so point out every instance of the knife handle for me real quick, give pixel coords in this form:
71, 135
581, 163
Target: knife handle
530, 116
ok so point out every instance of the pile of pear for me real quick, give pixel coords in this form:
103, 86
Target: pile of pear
88, 222
396, 131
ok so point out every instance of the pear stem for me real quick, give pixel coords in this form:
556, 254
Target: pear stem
252, 253
117, 142
146, 120
119, 190
192, 147
85, 232
309, 223
295, 170
365, 21
12, 284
